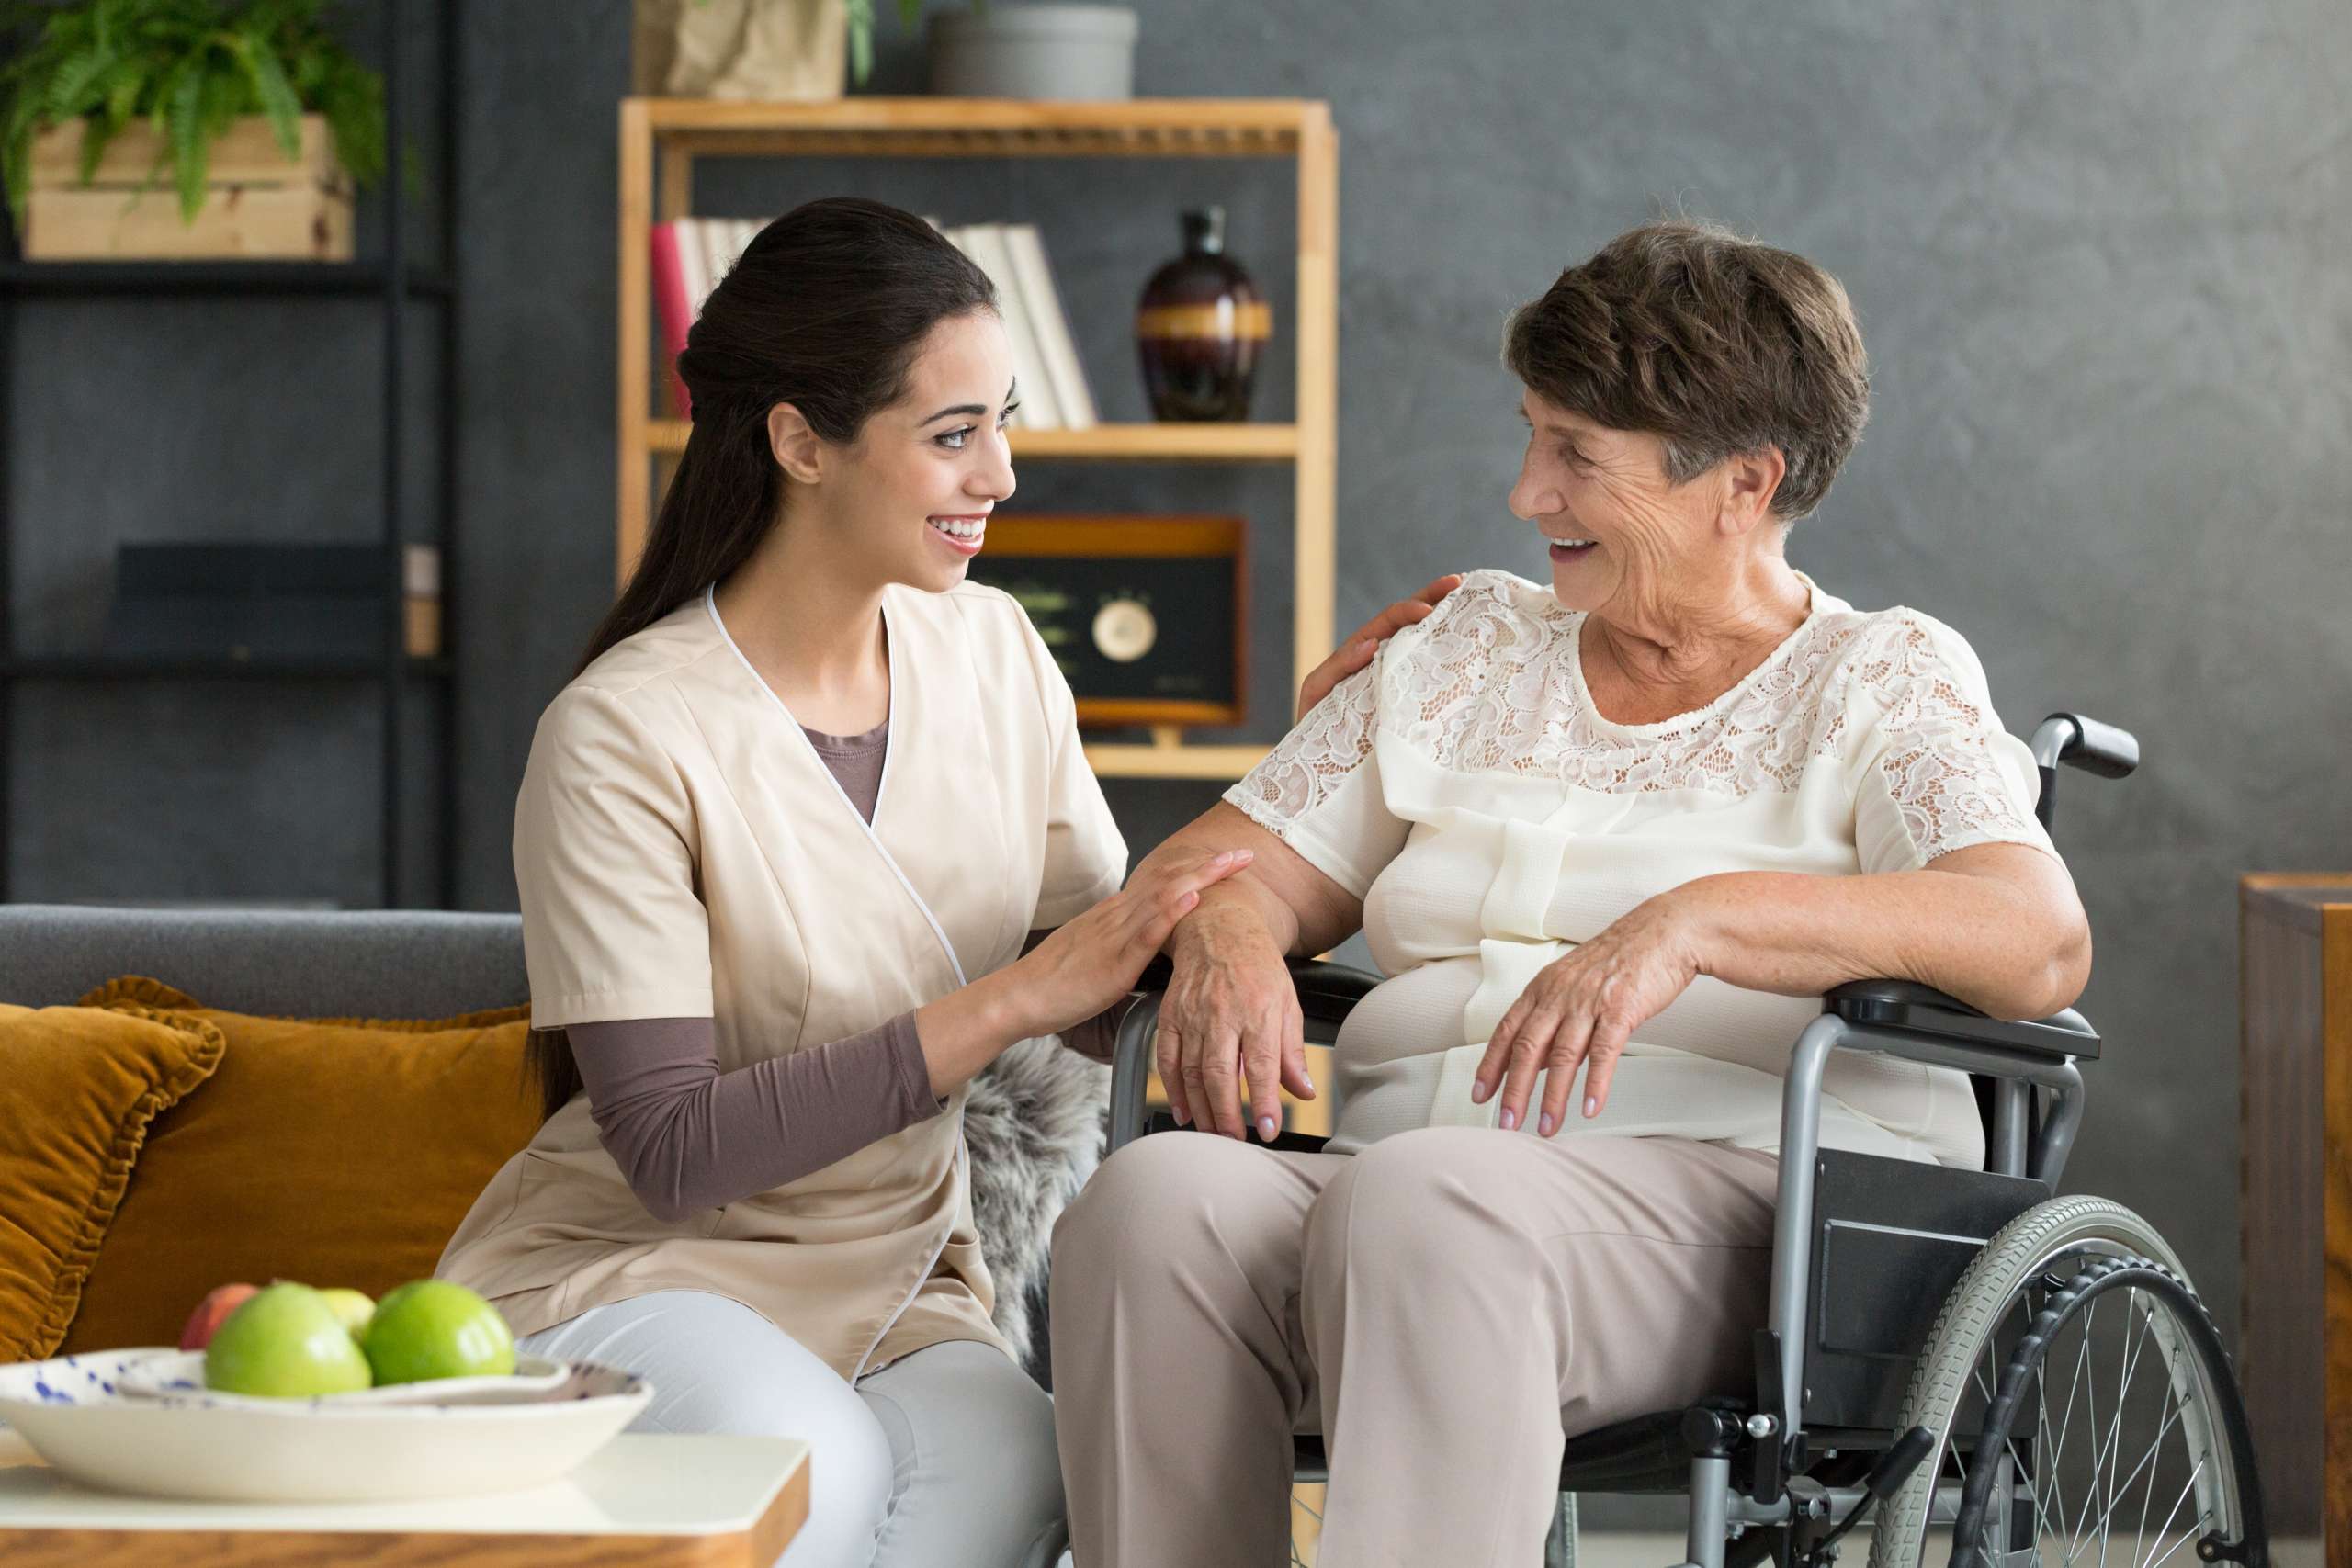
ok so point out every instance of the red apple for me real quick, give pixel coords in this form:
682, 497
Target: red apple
210, 1313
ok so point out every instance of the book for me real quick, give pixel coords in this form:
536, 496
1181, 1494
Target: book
1043, 301
985, 244
724, 239
711, 255
690, 256
675, 307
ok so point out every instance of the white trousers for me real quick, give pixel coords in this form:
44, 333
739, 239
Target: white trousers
943, 1456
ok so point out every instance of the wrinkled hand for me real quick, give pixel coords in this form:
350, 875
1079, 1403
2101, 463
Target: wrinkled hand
1581, 1009
1356, 651
1092, 961
1231, 1012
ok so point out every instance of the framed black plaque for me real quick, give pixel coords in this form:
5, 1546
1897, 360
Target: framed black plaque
1146, 615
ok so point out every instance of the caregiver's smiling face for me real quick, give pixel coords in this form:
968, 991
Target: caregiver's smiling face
1614, 522
915, 488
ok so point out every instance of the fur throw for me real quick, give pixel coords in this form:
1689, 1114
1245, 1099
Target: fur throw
1036, 1124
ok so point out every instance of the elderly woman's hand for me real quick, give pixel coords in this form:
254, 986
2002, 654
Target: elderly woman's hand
1231, 1010
1582, 1009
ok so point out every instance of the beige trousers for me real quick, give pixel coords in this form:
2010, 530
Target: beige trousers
1444, 1307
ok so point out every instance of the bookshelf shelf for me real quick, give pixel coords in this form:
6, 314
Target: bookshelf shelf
1172, 760
988, 128
1237, 443
664, 137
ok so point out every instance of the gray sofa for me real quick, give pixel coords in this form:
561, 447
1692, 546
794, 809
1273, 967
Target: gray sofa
1034, 1120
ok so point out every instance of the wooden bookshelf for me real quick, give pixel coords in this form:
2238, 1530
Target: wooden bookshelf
664, 137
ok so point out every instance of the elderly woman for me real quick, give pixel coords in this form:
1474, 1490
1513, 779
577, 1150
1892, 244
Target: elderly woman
1632, 824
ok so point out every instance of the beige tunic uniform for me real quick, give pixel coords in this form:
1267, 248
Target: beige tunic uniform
681, 850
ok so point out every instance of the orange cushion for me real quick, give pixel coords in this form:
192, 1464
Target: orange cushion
332, 1151
78, 1088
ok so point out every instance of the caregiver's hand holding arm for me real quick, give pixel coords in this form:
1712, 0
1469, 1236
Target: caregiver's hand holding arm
1356, 652
1073, 974
1231, 1014
1996, 925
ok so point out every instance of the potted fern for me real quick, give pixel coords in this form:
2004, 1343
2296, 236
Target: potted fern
252, 113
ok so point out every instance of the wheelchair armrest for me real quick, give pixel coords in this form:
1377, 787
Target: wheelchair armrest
1326, 993
1922, 1010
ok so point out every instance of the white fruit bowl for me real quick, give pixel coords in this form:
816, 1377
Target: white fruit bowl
179, 1374
74, 1412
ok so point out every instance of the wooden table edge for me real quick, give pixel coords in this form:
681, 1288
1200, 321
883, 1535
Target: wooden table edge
755, 1547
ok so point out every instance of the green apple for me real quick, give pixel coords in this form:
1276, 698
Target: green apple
284, 1342
352, 1309
437, 1328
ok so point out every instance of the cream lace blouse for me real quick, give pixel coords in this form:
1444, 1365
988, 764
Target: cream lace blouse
1466, 790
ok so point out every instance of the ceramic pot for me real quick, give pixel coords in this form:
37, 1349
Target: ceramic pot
1201, 328
1033, 51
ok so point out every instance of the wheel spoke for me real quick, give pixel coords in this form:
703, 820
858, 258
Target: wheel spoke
2048, 1444
2176, 1502
2090, 1397
2066, 1425
2147, 1495
2143, 1322
2112, 1443
2041, 1524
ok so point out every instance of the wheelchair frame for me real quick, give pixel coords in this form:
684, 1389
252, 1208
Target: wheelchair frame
2025, 1060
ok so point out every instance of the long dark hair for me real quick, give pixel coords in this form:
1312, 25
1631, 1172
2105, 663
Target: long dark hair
826, 310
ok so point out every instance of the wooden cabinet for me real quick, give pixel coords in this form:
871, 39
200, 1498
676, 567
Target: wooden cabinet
2295, 1197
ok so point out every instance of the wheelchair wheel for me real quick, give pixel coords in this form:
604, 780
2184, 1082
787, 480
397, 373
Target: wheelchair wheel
2082, 1407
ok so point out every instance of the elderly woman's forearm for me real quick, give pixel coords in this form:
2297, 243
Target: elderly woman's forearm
2014, 947
1304, 911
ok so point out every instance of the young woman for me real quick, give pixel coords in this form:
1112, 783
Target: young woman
805, 843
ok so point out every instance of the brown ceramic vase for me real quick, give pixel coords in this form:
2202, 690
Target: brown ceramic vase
1201, 328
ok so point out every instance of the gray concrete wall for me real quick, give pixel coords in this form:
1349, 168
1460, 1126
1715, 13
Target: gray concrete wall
2097, 249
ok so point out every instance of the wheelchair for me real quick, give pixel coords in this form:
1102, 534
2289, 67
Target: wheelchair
1945, 1349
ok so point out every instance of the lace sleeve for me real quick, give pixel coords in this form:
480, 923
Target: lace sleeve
1943, 773
1313, 760
1320, 790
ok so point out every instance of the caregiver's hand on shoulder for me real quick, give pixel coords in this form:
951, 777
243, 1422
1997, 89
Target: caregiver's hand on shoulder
1356, 651
1582, 1009
1092, 961
1231, 1012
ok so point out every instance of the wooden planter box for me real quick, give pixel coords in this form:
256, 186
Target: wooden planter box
263, 206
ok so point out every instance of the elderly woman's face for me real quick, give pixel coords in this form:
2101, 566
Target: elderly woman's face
1615, 523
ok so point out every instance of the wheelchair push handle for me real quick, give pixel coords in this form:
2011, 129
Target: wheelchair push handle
2078, 740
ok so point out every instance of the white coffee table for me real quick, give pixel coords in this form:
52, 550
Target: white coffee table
642, 1501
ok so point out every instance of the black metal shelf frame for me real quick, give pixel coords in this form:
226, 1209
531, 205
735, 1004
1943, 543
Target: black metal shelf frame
390, 280
165, 280
101, 667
